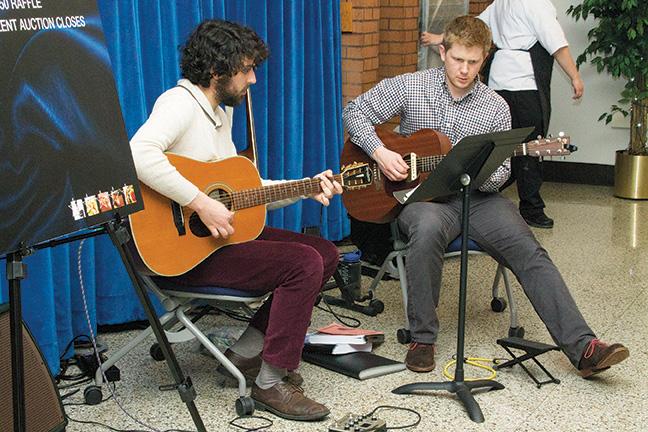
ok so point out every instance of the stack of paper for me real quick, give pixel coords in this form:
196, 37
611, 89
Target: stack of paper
339, 339
347, 351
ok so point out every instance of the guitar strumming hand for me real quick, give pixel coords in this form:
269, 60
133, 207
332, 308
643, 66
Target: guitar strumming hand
391, 164
216, 217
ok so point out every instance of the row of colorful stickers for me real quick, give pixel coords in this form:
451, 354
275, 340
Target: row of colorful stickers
103, 202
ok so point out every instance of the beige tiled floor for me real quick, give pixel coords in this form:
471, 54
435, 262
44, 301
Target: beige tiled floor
600, 244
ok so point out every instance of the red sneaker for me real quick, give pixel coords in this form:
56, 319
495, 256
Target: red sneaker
599, 356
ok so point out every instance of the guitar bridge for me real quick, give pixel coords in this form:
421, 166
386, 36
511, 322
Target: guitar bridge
178, 218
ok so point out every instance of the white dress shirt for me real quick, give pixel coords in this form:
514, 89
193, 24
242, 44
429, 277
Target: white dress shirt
517, 25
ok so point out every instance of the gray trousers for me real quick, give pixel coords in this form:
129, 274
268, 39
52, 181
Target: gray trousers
496, 225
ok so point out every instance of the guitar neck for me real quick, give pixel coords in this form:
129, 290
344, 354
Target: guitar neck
428, 163
277, 192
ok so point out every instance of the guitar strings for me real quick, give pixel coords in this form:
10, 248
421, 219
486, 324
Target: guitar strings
253, 197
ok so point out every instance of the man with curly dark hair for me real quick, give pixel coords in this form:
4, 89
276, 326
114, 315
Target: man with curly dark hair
218, 64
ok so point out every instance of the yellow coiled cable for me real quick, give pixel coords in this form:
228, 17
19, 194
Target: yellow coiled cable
476, 362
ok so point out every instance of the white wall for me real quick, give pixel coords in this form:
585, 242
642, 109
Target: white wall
596, 141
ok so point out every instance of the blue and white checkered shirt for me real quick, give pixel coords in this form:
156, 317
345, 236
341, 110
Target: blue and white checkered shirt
422, 100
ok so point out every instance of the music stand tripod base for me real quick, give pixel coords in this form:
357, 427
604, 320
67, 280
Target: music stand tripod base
463, 389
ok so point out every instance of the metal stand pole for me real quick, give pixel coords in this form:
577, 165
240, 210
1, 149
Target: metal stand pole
458, 386
120, 236
16, 270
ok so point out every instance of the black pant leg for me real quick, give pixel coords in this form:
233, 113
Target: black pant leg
528, 174
526, 170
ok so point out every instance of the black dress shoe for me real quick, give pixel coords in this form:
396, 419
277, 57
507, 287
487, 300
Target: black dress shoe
539, 220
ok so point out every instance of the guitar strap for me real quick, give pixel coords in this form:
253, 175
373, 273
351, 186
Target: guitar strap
209, 117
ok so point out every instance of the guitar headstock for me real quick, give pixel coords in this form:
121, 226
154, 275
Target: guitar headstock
558, 146
356, 175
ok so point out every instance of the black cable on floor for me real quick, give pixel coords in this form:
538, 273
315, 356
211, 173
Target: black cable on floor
416, 413
329, 309
235, 422
96, 423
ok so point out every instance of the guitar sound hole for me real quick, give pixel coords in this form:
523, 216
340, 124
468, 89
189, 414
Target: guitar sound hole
223, 196
196, 226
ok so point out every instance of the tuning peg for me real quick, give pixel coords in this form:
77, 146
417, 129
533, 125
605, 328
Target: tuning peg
561, 134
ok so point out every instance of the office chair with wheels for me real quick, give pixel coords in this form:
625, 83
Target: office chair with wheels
394, 266
177, 301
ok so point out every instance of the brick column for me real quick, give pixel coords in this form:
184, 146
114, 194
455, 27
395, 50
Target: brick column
383, 42
399, 33
477, 6
360, 49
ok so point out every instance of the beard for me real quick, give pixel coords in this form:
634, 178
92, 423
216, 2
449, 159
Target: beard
226, 95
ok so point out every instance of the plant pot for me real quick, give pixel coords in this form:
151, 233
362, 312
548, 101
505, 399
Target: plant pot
630, 175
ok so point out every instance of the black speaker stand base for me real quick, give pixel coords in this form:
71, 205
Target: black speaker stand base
463, 390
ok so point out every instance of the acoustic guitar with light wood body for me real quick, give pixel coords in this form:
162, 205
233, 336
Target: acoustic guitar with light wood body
172, 239
422, 151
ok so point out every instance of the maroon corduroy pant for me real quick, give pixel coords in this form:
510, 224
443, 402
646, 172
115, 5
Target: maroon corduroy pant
293, 266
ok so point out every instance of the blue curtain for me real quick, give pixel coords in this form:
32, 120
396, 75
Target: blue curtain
297, 105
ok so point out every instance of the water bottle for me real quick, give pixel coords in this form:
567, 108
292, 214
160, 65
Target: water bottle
349, 268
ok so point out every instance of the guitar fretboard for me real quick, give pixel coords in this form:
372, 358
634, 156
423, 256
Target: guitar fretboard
277, 192
428, 163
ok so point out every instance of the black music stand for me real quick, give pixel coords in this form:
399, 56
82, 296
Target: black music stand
474, 157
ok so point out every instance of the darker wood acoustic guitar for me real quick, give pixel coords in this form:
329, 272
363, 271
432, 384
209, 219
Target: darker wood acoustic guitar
422, 151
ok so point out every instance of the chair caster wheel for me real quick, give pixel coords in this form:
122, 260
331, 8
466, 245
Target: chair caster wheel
377, 305
244, 406
516, 332
498, 304
156, 352
92, 395
403, 336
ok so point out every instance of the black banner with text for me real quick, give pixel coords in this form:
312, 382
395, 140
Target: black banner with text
66, 164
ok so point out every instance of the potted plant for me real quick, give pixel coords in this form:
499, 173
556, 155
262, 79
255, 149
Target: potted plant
618, 44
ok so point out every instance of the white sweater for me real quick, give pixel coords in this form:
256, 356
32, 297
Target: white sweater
179, 125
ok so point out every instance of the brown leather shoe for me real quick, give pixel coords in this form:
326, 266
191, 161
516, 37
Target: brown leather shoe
288, 401
420, 357
249, 367
599, 356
